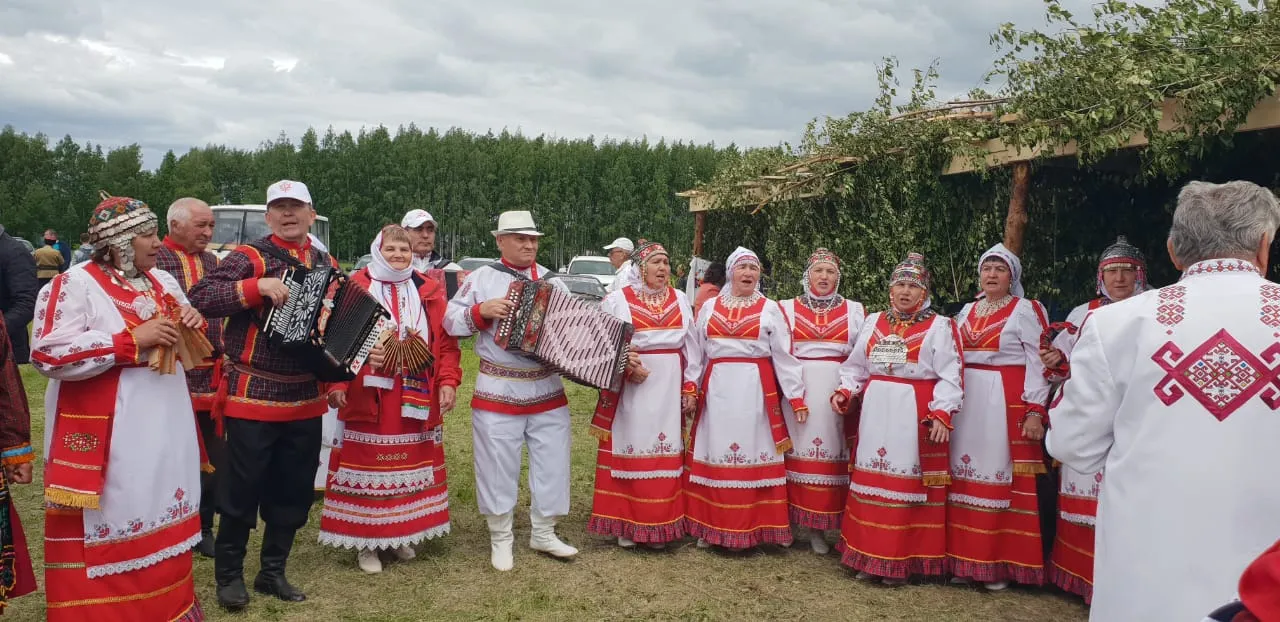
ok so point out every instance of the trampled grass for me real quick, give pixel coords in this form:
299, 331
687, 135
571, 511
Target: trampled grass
451, 579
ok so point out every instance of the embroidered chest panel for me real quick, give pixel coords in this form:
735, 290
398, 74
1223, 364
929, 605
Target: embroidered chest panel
832, 326
914, 335
982, 334
124, 299
646, 316
740, 323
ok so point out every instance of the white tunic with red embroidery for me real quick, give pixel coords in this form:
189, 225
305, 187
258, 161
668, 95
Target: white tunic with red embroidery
821, 342
1176, 393
150, 501
508, 383
1077, 492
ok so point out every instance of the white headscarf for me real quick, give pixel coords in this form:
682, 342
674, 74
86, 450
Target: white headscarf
999, 251
412, 313
739, 255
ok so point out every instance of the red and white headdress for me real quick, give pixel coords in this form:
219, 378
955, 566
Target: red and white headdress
115, 222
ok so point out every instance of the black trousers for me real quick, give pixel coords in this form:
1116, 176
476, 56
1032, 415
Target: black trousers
217, 450
270, 467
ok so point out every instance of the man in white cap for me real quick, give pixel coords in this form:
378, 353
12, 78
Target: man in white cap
517, 401
620, 256
270, 405
422, 230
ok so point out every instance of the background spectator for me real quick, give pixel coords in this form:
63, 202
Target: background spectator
18, 288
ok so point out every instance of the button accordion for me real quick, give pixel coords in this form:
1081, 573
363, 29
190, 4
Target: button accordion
327, 318
569, 334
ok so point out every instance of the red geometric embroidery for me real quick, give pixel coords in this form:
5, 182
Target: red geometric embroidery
1170, 310
1270, 305
1221, 374
1220, 266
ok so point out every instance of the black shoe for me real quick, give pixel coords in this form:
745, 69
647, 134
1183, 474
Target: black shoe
206, 547
233, 596
276, 544
279, 587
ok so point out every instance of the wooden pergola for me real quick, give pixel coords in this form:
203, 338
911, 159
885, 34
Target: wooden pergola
779, 186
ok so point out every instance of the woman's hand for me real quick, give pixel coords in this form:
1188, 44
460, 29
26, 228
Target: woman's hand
1032, 428
1051, 357
802, 415
448, 398
687, 404
18, 473
191, 318
155, 332
839, 402
939, 433
337, 399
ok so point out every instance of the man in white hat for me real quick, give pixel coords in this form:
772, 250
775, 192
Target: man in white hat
422, 231
271, 407
620, 256
517, 401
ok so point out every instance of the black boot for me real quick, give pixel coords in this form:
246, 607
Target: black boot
207, 546
276, 544
228, 564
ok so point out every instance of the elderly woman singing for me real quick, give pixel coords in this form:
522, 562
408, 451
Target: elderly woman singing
640, 465
993, 525
823, 326
906, 368
736, 494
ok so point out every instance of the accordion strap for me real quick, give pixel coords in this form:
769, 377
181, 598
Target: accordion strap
274, 251
501, 267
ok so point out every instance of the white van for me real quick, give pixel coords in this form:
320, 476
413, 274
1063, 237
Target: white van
234, 225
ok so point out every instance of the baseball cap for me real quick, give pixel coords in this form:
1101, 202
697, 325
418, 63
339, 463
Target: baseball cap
286, 189
622, 243
416, 218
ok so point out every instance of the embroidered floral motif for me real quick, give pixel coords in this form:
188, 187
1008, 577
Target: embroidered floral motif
82, 442
1270, 305
733, 457
1171, 308
882, 464
178, 511
1221, 374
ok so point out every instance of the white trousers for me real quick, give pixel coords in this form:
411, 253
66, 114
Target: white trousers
498, 440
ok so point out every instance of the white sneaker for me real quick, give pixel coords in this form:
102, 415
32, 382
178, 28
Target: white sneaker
703, 544
405, 553
996, 586
818, 543
368, 561
625, 543
500, 541
863, 575
544, 540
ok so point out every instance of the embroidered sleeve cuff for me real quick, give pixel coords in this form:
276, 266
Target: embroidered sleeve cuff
1037, 410
797, 404
336, 386
477, 320
18, 455
126, 348
848, 395
943, 416
689, 388
247, 291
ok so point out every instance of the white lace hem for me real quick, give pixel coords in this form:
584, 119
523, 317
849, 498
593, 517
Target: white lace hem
817, 480
332, 511
645, 474
381, 544
733, 483
95, 572
892, 495
387, 439
396, 481
994, 504
1079, 519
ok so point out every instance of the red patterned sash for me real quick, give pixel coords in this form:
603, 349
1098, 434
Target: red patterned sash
76, 469
935, 458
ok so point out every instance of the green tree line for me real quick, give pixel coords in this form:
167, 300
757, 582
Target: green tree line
583, 192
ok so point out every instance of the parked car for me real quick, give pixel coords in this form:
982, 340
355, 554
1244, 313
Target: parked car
471, 263
582, 286
25, 244
598, 268
234, 225
363, 261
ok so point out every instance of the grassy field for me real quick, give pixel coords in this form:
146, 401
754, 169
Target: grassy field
451, 579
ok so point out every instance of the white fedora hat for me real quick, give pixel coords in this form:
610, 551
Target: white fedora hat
518, 222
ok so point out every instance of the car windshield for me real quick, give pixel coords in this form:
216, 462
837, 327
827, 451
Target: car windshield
363, 261
589, 288
255, 226
471, 263
602, 268
226, 226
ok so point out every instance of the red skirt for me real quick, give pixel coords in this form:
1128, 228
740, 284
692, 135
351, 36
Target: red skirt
990, 545
1072, 567
379, 492
816, 506
162, 591
895, 539
737, 518
647, 510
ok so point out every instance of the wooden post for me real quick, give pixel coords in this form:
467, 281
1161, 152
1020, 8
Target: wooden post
699, 225
1015, 225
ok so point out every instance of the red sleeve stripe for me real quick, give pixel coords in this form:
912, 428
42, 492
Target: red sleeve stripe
45, 359
54, 291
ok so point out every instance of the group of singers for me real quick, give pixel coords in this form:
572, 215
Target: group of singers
740, 423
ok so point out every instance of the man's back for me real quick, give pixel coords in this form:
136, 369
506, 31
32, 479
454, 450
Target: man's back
48, 262
1177, 391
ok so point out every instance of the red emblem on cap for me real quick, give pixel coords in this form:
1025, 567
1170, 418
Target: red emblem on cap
286, 185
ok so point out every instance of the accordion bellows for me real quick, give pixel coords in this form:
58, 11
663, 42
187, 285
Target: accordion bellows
567, 333
329, 317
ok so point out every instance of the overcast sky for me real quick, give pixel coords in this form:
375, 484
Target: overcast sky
170, 75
